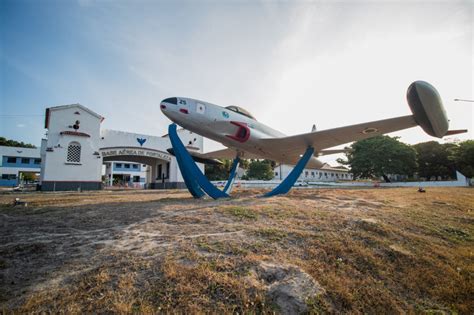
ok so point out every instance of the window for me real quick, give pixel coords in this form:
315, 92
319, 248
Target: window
8, 176
25, 161
171, 100
37, 161
305, 173
118, 165
126, 165
276, 173
74, 152
135, 166
312, 173
136, 179
240, 110
11, 159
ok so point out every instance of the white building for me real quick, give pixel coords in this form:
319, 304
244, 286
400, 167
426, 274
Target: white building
326, 173
70, 157
15, 162
73, 154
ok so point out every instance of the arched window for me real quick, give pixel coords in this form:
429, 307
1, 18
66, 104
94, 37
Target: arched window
74, 152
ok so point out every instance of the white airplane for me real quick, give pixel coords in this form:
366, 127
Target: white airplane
245, 137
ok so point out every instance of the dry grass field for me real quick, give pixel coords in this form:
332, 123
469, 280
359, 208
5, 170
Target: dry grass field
313, 251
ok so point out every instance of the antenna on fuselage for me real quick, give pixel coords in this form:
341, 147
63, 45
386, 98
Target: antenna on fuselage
313, 129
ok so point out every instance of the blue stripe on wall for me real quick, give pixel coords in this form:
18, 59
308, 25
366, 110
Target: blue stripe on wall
8, 182
19, 162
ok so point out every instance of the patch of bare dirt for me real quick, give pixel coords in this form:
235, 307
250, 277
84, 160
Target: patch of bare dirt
288, 286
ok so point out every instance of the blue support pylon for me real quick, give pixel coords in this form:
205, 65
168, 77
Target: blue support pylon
290, 180
194, 179
197, 183
233, 173
189, 181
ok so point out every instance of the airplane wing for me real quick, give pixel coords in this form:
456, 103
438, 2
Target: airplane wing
329, 138
226, 153
229, 153
288, 150
425, 104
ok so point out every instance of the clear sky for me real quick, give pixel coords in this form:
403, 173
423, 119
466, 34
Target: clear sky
291, 64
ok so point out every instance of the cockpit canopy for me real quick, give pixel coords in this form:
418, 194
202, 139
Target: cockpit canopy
241, 111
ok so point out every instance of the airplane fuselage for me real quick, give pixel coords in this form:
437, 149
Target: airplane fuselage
232, 129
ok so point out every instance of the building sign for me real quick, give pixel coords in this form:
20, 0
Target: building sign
135, 152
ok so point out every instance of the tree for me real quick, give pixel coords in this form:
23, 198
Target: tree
244, 164
434, 159
218, 171
380, 156
13, 143
464, 158
222, 171
28, 177
260, 169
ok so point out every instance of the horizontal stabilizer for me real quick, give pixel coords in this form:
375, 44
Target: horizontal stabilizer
455, 132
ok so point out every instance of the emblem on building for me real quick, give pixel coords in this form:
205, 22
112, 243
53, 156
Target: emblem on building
141, 141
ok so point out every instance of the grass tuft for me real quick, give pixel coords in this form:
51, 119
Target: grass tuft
272, 234
241, 213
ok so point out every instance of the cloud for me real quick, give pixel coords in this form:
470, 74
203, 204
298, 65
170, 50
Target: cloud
20, 125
